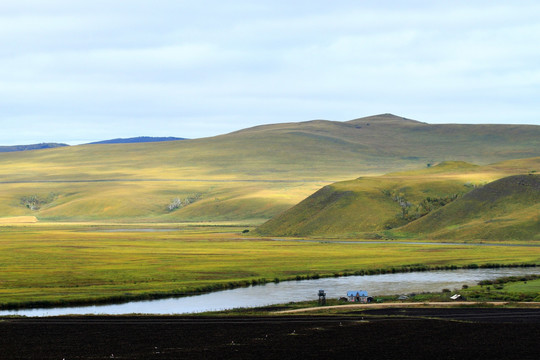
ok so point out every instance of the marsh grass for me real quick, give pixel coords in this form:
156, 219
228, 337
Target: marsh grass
76, 263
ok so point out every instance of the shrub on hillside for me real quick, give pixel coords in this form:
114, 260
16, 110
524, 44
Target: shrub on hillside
35, 202
178, 203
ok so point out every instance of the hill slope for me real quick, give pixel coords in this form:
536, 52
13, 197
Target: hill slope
416, 198
506, 208
319, 149
251, 174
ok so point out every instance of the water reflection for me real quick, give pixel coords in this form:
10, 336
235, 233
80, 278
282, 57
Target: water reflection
287, 291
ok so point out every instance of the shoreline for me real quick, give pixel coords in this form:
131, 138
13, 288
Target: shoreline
243, 284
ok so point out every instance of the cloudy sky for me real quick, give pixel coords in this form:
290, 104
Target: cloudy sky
80, 71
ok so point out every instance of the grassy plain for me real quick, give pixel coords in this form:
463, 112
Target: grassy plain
69, 263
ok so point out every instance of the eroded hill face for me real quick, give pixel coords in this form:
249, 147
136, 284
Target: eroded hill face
451, 200
252, 174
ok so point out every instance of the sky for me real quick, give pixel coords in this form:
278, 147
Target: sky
81, 71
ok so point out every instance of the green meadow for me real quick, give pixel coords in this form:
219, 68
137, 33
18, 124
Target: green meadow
60, 264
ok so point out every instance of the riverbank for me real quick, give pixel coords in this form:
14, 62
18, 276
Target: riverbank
425, 286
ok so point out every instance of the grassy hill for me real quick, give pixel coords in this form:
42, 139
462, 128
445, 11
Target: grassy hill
423, 203
508, 208
249, 175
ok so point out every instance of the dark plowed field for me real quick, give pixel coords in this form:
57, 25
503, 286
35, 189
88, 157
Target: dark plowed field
378, 334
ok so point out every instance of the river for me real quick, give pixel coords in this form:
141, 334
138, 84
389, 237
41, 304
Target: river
287, 291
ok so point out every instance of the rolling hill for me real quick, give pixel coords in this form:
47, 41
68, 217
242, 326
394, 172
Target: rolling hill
508, 208
249, 175
450, 200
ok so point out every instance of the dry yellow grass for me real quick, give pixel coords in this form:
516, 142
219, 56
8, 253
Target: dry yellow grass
18, 220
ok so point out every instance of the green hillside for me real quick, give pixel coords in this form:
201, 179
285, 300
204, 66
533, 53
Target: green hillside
249, 175
378, 205
508, 208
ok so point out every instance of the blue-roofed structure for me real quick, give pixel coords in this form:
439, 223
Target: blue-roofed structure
358, 296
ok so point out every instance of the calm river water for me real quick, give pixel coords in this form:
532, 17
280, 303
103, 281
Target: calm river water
286, 291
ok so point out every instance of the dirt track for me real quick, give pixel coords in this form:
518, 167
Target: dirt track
389, 305
404, 333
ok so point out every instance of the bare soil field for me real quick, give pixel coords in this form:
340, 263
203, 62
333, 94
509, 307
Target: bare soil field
397, 333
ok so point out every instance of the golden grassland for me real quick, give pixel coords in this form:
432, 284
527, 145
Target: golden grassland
147, 201
308, 150
251, 174
70, 263
18, 220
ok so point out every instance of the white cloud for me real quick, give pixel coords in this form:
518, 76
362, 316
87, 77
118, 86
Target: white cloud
230, 65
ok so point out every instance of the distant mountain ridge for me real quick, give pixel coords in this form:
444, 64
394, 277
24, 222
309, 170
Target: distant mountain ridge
138, 139
133, 140
40, 146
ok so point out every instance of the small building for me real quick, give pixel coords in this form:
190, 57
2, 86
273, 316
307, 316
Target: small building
358, 296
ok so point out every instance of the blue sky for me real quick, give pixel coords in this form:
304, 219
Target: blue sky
80, 71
